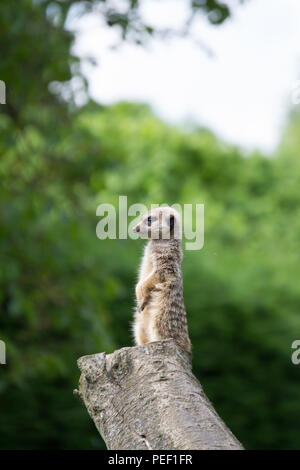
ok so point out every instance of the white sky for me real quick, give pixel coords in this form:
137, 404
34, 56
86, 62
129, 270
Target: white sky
243, 93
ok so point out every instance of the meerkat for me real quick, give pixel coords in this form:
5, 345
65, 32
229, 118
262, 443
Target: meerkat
160, 312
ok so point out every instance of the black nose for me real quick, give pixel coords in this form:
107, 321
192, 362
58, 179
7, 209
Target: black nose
136, 229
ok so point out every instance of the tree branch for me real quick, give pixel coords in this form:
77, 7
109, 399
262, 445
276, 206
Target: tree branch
146, 397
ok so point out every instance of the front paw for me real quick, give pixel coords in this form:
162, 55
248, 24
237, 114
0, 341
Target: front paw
140, 293
141, 296
142, 302
141, 307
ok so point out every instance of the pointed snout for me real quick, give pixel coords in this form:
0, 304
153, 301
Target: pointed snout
136, 228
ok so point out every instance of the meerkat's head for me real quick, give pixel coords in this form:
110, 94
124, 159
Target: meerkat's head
161, 223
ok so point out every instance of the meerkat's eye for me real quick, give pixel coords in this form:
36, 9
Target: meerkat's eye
149, 220
172, 220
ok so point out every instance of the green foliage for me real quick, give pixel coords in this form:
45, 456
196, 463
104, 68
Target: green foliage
64, 293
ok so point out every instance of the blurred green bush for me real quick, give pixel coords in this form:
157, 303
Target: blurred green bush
64, 293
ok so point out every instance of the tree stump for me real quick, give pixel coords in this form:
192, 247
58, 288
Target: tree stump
146, 397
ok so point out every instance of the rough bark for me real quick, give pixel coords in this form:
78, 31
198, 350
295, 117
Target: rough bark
146, 397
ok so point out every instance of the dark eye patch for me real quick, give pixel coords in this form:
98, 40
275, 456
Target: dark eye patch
150, 220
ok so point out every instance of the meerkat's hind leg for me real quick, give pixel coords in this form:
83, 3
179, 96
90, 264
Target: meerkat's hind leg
139, 328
